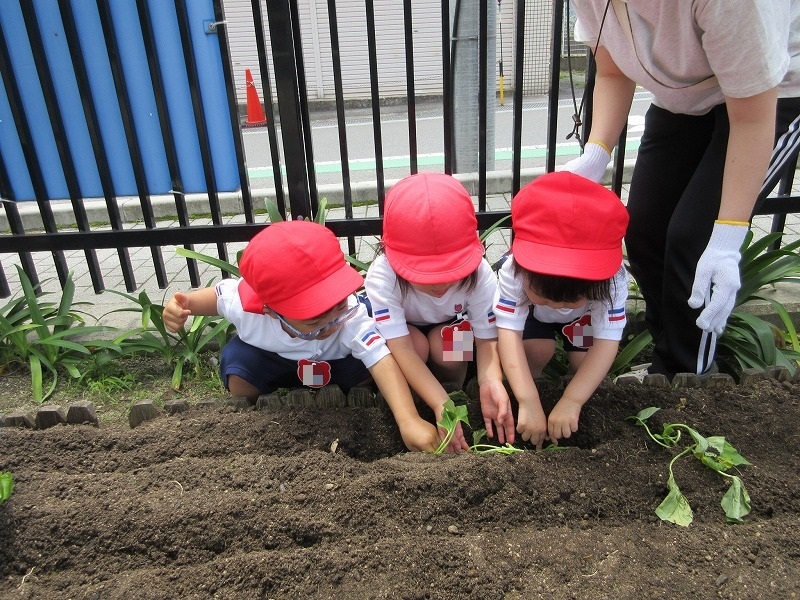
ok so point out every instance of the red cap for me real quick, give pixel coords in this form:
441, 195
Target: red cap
430, 232
567, 225
297, 269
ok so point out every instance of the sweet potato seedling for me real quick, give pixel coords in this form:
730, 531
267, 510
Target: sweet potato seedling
453, 415
480, 434
715, 453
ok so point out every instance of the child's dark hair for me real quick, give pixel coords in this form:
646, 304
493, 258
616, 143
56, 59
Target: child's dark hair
467, 284
565, 289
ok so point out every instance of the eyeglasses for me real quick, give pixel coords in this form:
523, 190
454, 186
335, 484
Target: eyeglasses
312, 335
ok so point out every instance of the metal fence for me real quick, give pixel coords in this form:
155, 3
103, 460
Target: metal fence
136, 99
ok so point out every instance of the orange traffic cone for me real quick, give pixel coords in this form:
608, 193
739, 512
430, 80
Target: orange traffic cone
255, 114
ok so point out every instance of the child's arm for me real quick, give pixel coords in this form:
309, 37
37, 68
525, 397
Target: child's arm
531, 422
563, 420
422, 381
495, 404
181, 305
417, 433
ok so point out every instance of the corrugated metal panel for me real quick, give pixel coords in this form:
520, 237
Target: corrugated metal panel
241, 36
352, 24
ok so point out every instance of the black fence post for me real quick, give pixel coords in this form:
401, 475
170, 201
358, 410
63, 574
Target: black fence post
287, 89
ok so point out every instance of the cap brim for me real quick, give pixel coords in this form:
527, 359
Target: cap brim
441, 268
250, 301
320, 297
591, 265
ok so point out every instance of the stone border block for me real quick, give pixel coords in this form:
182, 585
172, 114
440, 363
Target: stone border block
779, 373
331, 396
266, 401
628, 379
20, 418
752, 376
49, 416
719, 380
686, 380
239, 403
361, 397
173, 407
300, 397
82, 413
658, 380
141, 411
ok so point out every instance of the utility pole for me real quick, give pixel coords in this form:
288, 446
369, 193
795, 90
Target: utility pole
465, 57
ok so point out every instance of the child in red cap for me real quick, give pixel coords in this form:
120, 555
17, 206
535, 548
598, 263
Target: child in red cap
299, 322
564, 277
432, 291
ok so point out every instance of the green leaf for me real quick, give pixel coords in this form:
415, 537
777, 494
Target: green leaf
675, 508
731, 457
322, 210
275, 215
452, 415
6, 485
210, 260
36, 377
494, 227
736, 501
630, 351
177, 374
359, 265
478, 436
644, 414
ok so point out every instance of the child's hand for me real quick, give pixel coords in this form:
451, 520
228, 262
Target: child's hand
563, 420
496, 409
532, 424
419, 435
176, 312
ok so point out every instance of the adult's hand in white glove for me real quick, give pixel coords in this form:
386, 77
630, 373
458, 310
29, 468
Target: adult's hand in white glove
591, 164
717, 276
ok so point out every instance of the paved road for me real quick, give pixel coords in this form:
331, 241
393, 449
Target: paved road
394, 133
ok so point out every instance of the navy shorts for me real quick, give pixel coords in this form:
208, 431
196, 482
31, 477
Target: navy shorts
537, 330
269, 371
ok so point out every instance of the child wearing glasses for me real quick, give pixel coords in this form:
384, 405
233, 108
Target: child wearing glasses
431, 292
564, 278
298, 322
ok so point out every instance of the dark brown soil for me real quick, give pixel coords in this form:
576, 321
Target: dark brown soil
218, 504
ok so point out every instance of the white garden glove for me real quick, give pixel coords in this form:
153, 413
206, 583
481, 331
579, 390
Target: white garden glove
591, 164
717, 276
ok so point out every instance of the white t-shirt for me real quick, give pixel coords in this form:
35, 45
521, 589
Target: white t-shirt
680, 43
393, 311
512, 306
357, 336
790, 86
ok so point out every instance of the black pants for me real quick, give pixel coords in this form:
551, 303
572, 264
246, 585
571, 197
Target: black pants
673, 201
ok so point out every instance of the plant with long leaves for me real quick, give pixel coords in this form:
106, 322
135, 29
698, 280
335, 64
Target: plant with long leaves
714, 452
46, 336
750, 341
177, 349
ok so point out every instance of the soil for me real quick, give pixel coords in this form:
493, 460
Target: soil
215, 503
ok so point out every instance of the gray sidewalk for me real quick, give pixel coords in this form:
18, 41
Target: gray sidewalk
178, 278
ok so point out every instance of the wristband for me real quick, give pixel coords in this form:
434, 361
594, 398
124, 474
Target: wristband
737, 223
